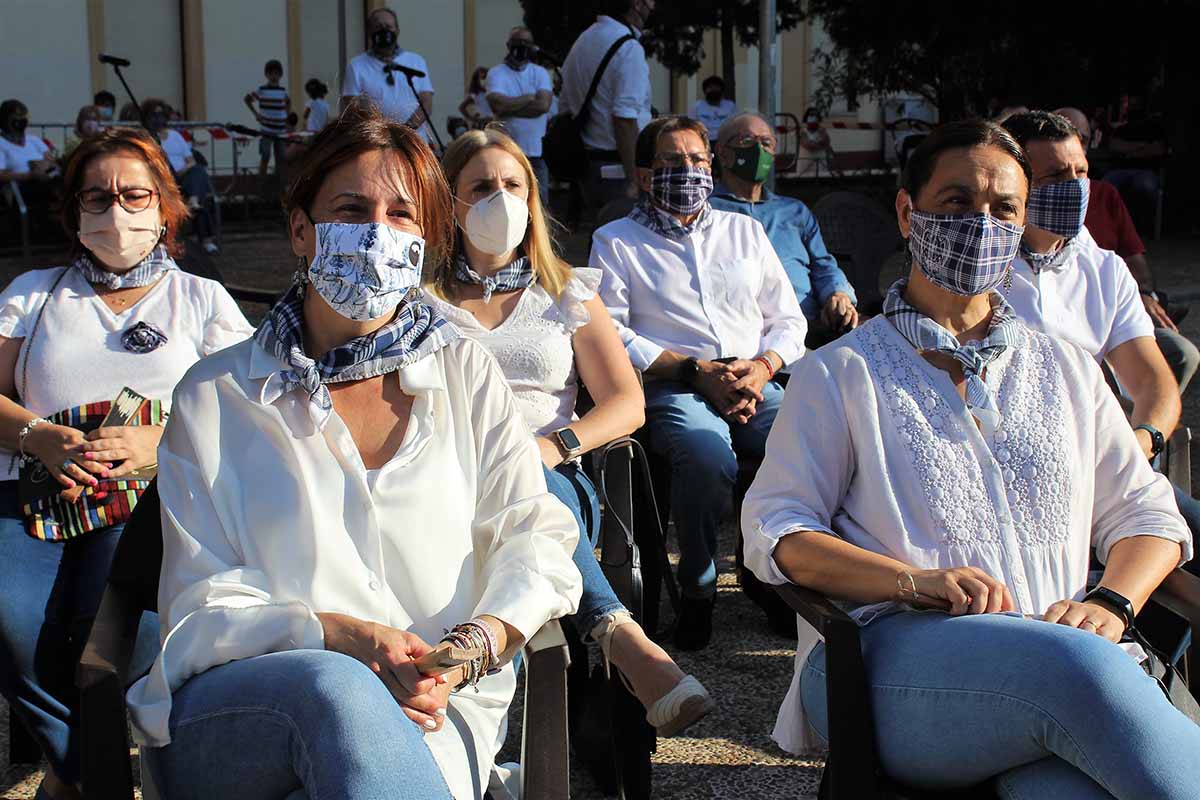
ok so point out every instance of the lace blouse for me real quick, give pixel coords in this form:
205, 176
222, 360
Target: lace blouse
533, 347
879, 449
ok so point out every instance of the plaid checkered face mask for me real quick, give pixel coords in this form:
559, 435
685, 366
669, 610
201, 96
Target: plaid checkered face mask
681, 190
967, 254
1059, 207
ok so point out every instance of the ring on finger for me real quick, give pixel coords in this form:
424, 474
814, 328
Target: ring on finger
66, 465
1095, 627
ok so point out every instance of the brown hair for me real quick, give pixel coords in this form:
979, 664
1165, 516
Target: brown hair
361, 129
647, 140
139, 144
550, 270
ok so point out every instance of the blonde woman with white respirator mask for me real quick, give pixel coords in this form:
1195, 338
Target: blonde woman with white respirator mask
504, 286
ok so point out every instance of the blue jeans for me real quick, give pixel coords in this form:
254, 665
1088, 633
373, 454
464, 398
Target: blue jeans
1050, 711
298, 724
702, 449
570, 484
49, 593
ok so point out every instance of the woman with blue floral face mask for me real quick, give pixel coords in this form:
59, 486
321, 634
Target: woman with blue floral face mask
946, 472
342, 494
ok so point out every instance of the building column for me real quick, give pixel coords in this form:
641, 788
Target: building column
95, 24
191, 24
295, 57
469, 50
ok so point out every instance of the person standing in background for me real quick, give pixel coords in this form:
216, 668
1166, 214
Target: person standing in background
106, 103
474, 107
371, 74
713, 109
274, 105
316, 110
519, 94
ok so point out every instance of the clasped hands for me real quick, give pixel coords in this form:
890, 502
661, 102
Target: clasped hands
734, 388
73, 458
969, 590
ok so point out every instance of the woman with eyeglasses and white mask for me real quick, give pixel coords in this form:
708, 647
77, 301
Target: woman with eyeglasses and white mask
945, 474
122, 314
504, 286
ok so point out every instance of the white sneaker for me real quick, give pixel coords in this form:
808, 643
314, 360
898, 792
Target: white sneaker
680, 707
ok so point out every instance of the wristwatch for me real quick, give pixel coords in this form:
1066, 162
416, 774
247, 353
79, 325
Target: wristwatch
1113, 601
568, 442
1157, 442
688, 370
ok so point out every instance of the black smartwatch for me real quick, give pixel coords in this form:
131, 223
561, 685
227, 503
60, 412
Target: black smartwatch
1157, 442
689, 368
568, 442
1113, 601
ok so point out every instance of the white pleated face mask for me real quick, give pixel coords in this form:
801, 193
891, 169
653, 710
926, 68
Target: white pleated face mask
497, 223
119, 239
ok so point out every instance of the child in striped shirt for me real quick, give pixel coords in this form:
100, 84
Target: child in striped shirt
273, 107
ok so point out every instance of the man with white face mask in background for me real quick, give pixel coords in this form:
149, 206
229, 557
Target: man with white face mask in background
519, 93
707, 312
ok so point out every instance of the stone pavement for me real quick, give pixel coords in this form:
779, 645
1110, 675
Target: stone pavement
729, 754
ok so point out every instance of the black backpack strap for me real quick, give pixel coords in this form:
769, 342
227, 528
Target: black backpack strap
585, 109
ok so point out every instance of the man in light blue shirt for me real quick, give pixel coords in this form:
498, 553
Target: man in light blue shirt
746, 149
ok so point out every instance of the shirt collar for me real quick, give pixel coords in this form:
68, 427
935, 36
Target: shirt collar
725, 192
607, 20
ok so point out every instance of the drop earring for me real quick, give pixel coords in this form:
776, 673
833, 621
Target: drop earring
1008, 279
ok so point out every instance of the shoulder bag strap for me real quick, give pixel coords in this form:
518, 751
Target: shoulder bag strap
29, 339
585, 109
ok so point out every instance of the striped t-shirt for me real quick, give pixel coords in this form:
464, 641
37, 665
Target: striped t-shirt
272, 107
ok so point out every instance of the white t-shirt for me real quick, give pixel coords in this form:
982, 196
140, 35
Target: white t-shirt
318, 115
77, 356
16, 158
481, 104
527, 132
624, 90
177, 149
534, 347
365, 76
1091, 300
712, 116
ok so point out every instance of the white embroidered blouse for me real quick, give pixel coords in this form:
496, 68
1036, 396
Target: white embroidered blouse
533, 347
873, 444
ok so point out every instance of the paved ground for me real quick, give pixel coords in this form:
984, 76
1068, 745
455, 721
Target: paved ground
728, 755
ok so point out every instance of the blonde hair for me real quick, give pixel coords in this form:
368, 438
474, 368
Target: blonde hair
548, 269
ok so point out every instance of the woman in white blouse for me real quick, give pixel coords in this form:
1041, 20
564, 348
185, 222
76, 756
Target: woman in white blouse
338, 493
504, 286
121, 314
946, 472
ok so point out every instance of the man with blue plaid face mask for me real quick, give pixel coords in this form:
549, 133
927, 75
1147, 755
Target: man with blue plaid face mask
707, 312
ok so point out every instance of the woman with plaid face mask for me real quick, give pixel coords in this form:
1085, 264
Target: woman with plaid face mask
947, 471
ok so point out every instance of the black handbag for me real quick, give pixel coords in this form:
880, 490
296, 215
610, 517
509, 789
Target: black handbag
1168, 678
562, 146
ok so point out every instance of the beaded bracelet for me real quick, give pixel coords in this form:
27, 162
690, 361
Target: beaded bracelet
475, 634
29, 426
766, 362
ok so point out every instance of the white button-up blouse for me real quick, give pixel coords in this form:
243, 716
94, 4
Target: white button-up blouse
267, 520
873, 444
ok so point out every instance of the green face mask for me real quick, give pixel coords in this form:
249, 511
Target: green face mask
752, 163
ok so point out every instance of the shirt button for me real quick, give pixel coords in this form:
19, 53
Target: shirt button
374, 584
1019, 580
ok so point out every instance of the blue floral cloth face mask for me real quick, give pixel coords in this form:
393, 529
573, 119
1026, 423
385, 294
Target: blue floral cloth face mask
681, 190
967, 254
1059, 208
363, 271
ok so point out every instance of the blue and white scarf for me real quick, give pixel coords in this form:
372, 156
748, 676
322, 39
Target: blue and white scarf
516, 275
1052, 261
144, 273
924, 334
416, 332
647, 214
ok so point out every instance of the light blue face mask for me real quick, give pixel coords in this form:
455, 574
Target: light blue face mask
363, 271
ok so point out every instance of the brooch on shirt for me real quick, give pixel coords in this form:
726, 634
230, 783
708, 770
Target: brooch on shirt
143, 338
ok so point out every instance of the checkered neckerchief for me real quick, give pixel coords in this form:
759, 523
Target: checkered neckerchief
145, 273
662, 223
1054, 261
1059, 207
924, 334
517, 275
416, 332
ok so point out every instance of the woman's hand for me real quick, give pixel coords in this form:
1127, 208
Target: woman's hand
961, 590
1087, 616
551, 455
60, 449
390, 654
136, 446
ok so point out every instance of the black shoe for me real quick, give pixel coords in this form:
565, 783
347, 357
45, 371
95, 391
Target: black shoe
694, 628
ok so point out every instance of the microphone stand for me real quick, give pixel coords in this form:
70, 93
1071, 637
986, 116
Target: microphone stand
136, 104
428, 117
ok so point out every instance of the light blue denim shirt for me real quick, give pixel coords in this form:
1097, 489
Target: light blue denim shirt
796, 237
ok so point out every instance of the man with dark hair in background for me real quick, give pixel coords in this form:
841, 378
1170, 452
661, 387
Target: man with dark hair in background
106, 103
714, 108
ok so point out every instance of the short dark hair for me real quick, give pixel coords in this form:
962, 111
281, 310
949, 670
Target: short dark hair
713, 80
953, 136
9, 109
105, 98
273, 66
1032, 126
361, 129
316, 88
614, 8
647, 140
385, 10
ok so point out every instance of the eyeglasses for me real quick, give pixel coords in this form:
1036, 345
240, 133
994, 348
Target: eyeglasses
767, 142
97, 201
677, 160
